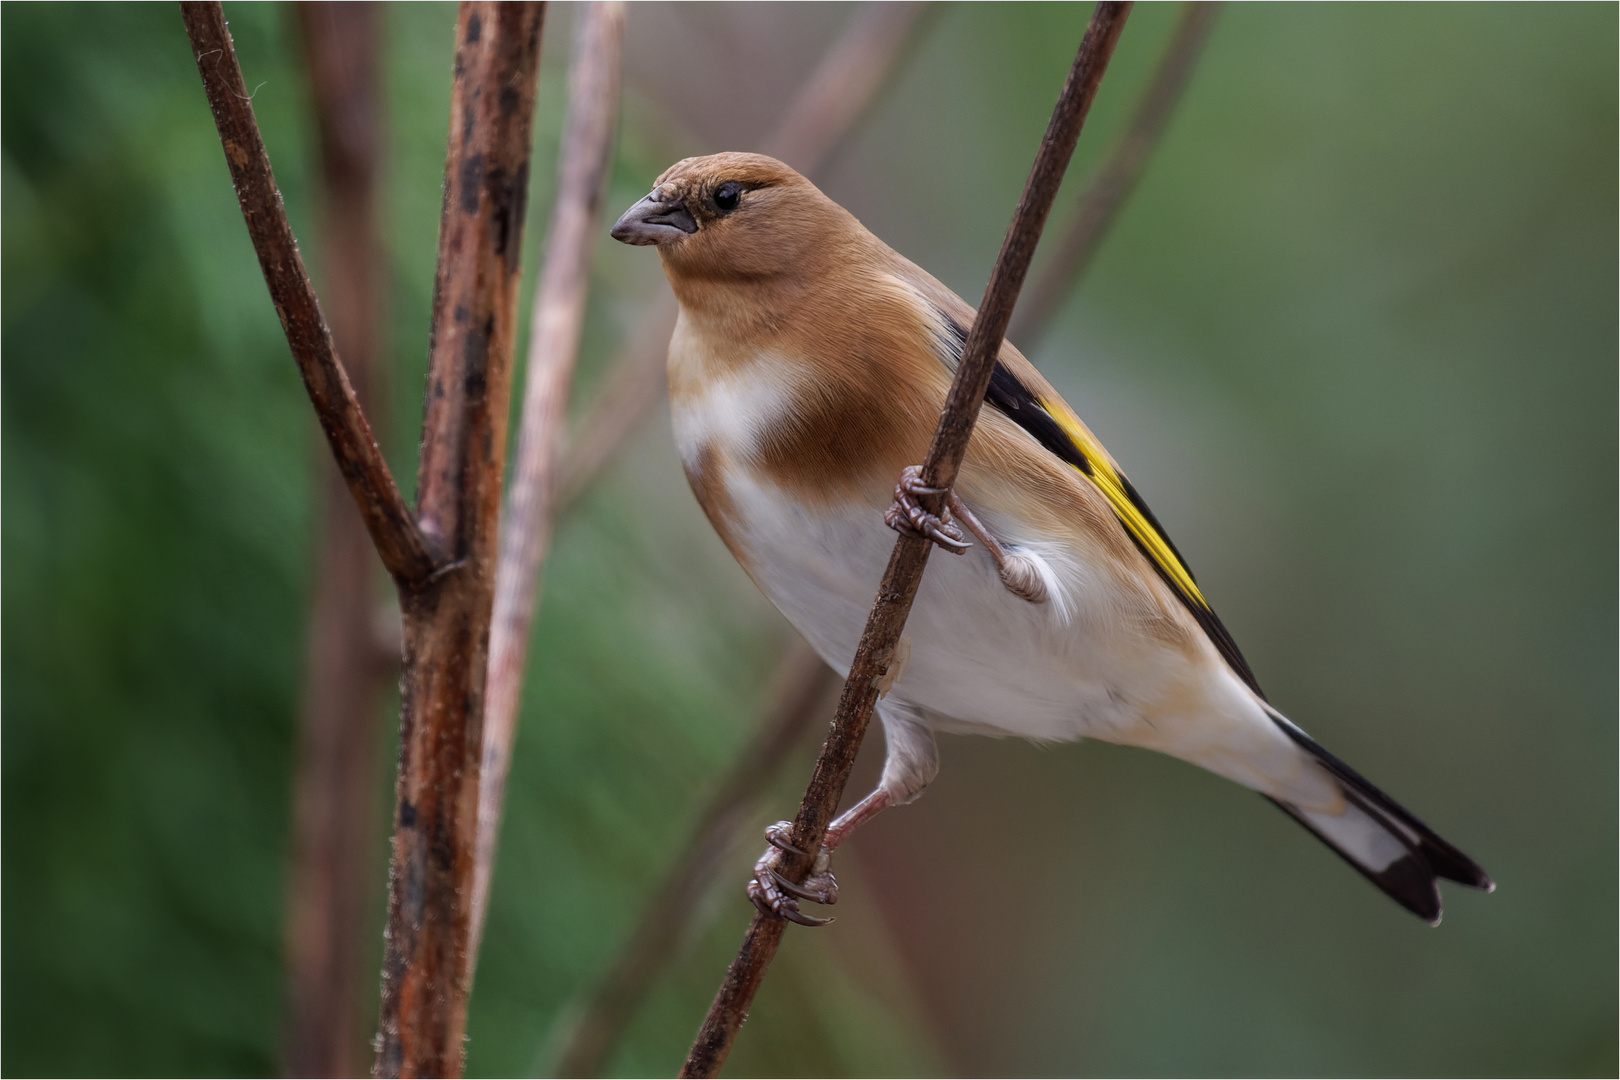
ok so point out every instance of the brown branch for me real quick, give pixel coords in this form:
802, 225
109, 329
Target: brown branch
334, 878
446, 605
405, 551
424, 992
1108, 190
799, 691
910, 556
791, 712
822, 112
824, 109
559, 312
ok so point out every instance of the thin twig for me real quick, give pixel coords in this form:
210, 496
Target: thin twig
824, 109
559, 313
821, 113
631, 389
910, 556
424, 992
1113, 183
791, 711
405, 551
334, 879
799, 692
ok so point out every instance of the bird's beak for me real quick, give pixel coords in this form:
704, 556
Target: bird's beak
654, 221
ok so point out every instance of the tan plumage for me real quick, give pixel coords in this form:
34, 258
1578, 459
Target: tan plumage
807, 370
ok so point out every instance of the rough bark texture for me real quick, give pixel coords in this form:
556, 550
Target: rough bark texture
336, 871
424, 995
554, 331
909, 558
442, 556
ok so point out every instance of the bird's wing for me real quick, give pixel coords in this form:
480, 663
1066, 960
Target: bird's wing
1051, 422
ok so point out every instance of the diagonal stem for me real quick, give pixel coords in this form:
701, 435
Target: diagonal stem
909, 558
825, 108
802, 682
800, 692
409, 556
1114, 182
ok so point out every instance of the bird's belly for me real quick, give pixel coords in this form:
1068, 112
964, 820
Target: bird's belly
978, 658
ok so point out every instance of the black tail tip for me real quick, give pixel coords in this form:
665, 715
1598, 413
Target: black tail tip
1411, 883
1414, 882
1447, 862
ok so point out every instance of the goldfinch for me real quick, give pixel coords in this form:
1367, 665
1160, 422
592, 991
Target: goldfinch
807, 370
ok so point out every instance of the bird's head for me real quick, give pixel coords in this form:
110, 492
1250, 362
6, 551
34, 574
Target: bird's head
731, 216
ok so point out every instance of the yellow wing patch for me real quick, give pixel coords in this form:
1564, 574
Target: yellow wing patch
1051, 424
1126, 504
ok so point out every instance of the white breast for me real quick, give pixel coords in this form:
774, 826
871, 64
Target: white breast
724, 407
981, 659
728, 415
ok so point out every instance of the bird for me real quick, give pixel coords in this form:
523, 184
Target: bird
807, 370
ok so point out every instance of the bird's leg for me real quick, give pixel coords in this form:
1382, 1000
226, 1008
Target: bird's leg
775, 894
1018, 572
906, 514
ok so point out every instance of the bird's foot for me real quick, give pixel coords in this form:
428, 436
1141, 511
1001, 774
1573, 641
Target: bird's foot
775, 895
906, 514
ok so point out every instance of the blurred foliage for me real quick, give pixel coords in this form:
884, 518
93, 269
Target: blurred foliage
1354, 337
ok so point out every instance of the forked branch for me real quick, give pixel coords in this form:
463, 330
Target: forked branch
445, 600
910, 556
425, 971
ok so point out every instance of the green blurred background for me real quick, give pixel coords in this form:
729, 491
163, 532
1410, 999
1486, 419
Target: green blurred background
1354, 337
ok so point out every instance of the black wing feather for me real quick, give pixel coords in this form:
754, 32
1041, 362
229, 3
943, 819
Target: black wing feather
1015, 401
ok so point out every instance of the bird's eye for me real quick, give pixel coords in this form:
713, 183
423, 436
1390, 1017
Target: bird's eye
726, 196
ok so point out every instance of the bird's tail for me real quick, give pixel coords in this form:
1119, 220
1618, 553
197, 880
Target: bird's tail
1381, 839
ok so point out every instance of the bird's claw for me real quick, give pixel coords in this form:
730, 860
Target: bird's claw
906, 514
776, 895
779, 837
771, 901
